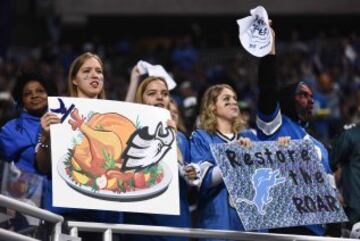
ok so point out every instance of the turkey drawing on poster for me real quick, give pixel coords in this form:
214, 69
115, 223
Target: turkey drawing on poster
113, 155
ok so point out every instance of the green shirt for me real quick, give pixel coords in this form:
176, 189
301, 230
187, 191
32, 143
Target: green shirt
346, 154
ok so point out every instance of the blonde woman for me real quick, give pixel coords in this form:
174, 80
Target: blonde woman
85, 80
220, 123
154, 91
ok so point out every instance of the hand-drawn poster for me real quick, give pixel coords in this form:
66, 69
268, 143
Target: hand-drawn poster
275, 186
112, 155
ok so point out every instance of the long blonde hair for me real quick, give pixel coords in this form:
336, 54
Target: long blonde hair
142, 86
207, 110
74, 69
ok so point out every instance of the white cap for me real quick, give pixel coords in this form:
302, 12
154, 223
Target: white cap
156, 71
254, 32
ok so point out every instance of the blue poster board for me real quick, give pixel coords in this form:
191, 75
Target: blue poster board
278, 186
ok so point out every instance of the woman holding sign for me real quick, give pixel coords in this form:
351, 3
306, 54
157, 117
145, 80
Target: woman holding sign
220, 122
85, 80
19, 136
154, 91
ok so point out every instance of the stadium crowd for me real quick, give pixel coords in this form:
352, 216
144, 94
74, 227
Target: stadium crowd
329, 66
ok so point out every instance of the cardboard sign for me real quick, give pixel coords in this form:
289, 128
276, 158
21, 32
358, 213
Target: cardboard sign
276, 186
111, 155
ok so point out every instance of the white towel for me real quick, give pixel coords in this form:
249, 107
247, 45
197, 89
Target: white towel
355, 232
254, 32
156, 71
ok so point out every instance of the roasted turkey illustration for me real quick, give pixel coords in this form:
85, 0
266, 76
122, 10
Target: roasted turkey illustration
105, 138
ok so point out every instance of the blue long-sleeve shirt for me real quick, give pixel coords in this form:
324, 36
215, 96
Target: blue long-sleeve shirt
215, 210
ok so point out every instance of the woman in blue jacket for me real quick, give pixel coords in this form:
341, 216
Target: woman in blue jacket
19, 136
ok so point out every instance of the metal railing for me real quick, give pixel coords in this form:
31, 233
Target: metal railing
109, 229
11, 236
54, 219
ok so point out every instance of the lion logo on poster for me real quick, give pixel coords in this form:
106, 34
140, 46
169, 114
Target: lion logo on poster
263, 180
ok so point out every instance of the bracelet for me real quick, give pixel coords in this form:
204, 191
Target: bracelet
42, 145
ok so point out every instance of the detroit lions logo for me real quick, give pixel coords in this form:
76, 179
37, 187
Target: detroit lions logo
263, 180
144, 149
258, 31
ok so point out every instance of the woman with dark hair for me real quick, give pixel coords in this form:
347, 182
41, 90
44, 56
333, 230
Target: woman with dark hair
19, 138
